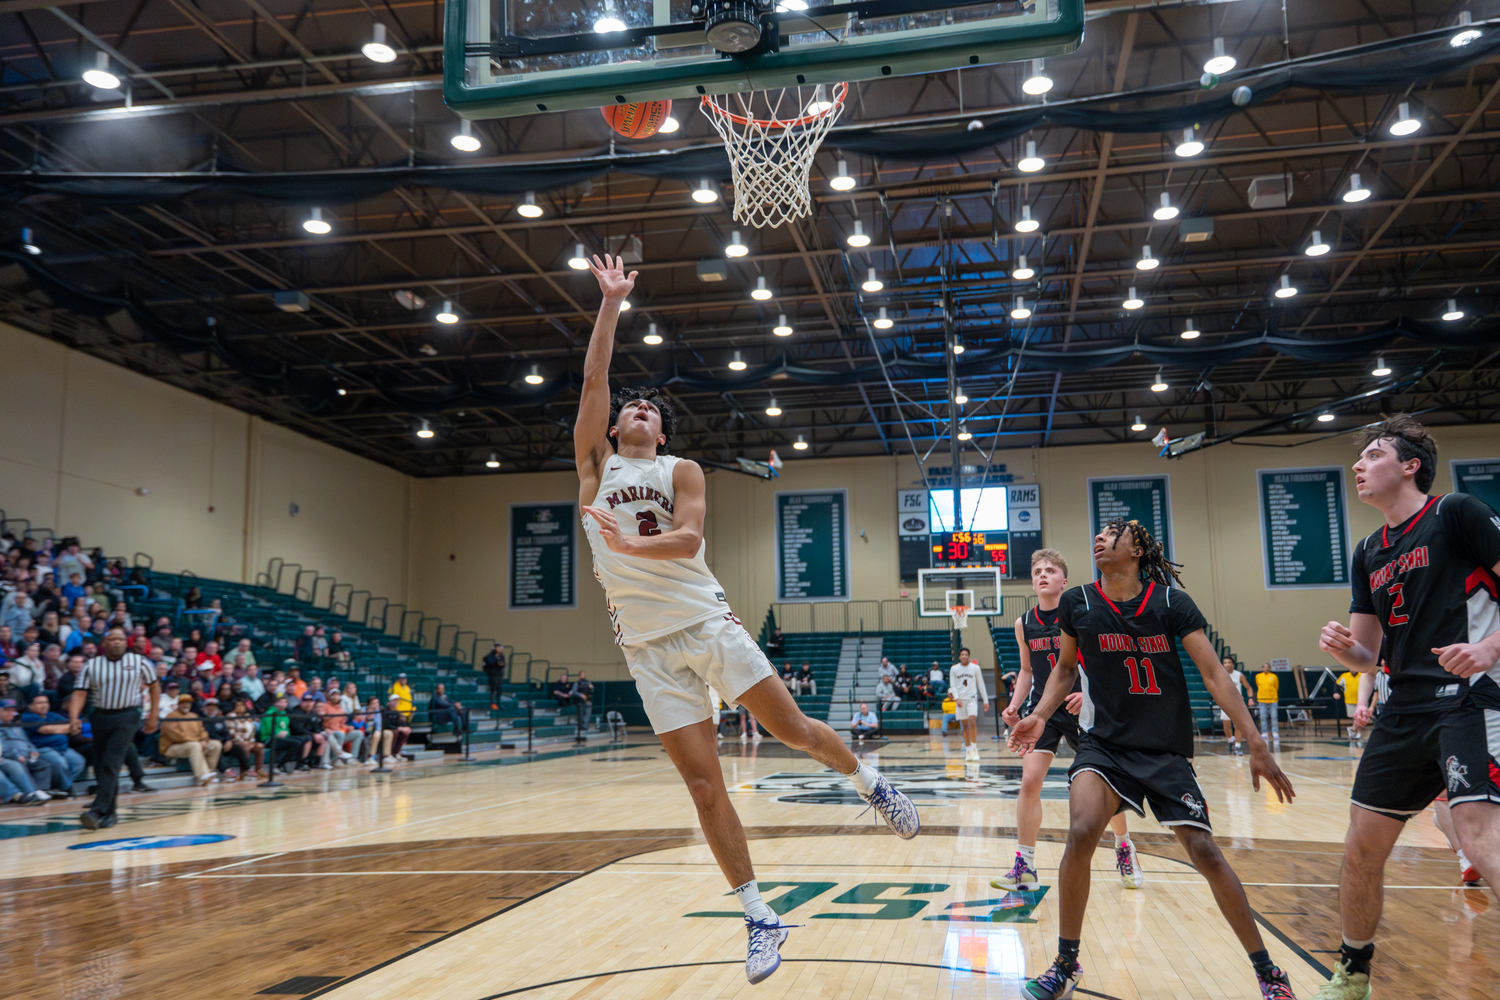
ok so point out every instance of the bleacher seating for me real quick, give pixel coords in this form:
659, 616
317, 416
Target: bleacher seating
821, 650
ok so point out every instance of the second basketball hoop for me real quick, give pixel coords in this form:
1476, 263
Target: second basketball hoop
771, 137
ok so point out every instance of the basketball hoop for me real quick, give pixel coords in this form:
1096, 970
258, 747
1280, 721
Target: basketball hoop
960, 616
770, 157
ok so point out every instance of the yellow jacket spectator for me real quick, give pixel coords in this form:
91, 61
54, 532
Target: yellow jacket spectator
1267, 693
402, 691
1267, 687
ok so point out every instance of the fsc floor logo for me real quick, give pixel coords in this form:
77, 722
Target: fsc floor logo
924, 784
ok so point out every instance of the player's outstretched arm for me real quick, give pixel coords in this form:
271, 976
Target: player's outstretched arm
1356, 646
1262, 764
647, 541
591, 432
1023, 735
1022, 686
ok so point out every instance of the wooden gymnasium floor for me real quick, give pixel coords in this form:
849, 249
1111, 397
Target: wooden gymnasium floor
582, 875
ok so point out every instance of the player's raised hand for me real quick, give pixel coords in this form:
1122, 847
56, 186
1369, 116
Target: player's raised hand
1463, 659
613, 281
609, 530
1263, 765
1335, 638
1074, 702
1024, 734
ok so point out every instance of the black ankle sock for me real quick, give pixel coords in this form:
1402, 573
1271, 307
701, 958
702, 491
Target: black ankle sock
1262, 962
1068, 948
1357, 959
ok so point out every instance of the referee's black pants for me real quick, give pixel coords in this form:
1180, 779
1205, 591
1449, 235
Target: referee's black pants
113, 732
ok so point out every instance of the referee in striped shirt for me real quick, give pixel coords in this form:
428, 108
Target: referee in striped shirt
114, 681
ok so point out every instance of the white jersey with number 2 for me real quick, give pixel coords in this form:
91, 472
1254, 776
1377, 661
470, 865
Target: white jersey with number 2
966, 682
647, 598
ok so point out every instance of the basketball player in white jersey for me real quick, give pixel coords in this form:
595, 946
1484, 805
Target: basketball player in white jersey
643, 515
966, 685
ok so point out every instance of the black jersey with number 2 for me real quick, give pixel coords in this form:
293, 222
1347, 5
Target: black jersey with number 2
1040, 630
1430, 582
1135, 694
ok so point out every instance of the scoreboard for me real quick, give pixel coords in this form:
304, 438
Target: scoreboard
956, 549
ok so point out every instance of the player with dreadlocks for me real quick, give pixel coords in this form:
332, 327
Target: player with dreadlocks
1136, 736
644, 513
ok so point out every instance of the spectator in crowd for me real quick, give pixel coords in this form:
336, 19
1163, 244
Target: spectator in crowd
776, 645
193, 600
342, 741
902, 682
864, 723
295, 685
394, 721
887, 668
789, 677
885, 694
936, 679
1267, 698
26, 673
494, 672
315, 689
17, 610
401, 691
338, 651
583, 699
163, 635
304, 722
69, 679
48, 732
52, 666
216, 725
72, 562
167, 703
921, 689
21, 766
184, 738
444, 711
805, 682
48, 630
244, 733
224, 695
349, 700
284, 749
320, 643
749, 728
210, 655
242, 648
305, 651
377, 739
5, 691
562, 691
251, 684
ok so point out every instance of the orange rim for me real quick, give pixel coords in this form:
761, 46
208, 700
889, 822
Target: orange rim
840, 91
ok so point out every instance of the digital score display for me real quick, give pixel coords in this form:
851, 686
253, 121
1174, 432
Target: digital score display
970, 548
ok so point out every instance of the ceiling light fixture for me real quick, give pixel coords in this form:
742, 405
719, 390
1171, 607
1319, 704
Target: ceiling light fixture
528, 207
1381, 369
1189, 146
1220, 62
669, 124
28, 242
652, 337
1023, 271
1147, 262
534, 377
737, 363
1465, 34
858, 237
820, 104
801, 443
735, 247
963, 431
761, 292
1453, 313
580, 259
706, 193
958, 343
1160, 385
1191, 331
842, 181
1139, 424
425, 431
1030, 163
1357, 191
1038, 83
464, 140
1133, 301
1286, 290
782, 327
315, 224
377, 49
872, 282
1166, 211
99, 75
1325, 417
446, 315
609, 21
773, 410
1404, 124
1026, 224
343, 391
1317, 247
624, 305
883, 321
493, 462
959, 396
1020, 310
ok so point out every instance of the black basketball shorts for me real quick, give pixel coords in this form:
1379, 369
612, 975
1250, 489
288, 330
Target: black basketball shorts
1166, 781
1062, 726
1413, 757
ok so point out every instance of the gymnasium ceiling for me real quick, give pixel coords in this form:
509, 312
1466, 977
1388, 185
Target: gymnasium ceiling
267, 86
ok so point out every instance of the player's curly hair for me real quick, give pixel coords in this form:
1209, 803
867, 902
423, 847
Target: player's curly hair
655, 398
1411, 441
1155, 566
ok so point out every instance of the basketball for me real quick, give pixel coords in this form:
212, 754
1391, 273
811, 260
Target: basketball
637, 121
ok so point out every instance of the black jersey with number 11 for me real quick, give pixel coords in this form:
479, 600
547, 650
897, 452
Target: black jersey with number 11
1040, 630
1135, 692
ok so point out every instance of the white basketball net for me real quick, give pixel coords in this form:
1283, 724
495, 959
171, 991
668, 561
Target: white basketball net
960, 615
771, 137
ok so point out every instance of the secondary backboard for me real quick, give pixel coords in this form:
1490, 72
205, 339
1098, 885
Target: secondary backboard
517, 57
939, 589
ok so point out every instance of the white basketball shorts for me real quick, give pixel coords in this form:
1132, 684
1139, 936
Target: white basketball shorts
673, 672
966, 709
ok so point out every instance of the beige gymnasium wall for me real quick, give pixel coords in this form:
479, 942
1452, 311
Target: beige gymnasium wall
80, 436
